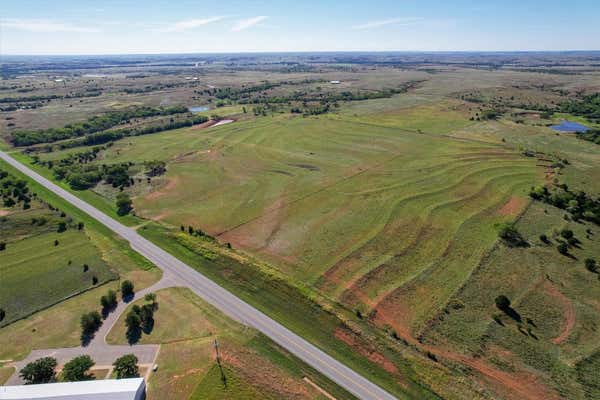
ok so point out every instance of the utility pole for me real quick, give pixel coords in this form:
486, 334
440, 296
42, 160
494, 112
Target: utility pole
223, 377
217, 351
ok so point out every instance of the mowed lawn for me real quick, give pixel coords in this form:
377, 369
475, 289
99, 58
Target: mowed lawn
36, 273
368, 214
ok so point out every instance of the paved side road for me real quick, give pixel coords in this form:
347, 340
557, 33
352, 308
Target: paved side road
101, 352
182, 274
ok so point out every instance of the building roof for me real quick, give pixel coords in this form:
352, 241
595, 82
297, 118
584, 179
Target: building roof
117, 389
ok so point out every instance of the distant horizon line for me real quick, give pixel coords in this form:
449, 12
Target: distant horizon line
300, 52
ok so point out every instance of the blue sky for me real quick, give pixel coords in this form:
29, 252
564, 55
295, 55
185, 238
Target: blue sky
122, 26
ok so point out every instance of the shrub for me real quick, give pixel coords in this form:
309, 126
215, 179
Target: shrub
39, 371
2, 246
502, 302
544, 238
2, 314
509, 234
590, 264
566, 233
563, 248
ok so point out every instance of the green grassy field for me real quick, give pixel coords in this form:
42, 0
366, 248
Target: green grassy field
555, 295
329, 201
36, 273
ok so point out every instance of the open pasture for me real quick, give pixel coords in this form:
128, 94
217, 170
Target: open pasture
363, 212
555, 297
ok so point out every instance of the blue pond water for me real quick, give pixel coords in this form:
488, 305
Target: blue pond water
568, 126
198, 109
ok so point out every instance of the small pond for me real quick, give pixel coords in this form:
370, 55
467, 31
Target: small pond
568, 126
197, 109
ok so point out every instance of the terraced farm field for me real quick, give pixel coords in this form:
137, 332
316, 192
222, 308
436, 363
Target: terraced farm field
361, 211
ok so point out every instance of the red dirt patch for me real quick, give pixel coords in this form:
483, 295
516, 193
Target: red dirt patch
168, 187
261, 373
513, 207
513, 385
161, 216
206, 124
378, 358
569, 311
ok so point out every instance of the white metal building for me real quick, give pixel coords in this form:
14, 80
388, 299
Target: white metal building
109, 389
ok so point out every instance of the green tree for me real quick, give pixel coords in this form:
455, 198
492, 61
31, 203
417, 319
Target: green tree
90, 322
126, 288
566, 233
509, 234
39, 371
62, 226
126, 366
563, 248
2, 246
124, 204
590, 264
147, 317
109, 300
2, 314
151, 298
76, 369
133, 321
502, 302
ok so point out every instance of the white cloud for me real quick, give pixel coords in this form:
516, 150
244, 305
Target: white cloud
191, 24
40, 25
390, 21
248, 23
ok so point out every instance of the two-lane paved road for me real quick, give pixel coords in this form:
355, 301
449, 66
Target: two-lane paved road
185, 276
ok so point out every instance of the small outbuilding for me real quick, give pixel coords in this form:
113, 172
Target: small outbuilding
109, 389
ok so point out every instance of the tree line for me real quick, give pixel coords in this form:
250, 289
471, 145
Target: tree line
94, 124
